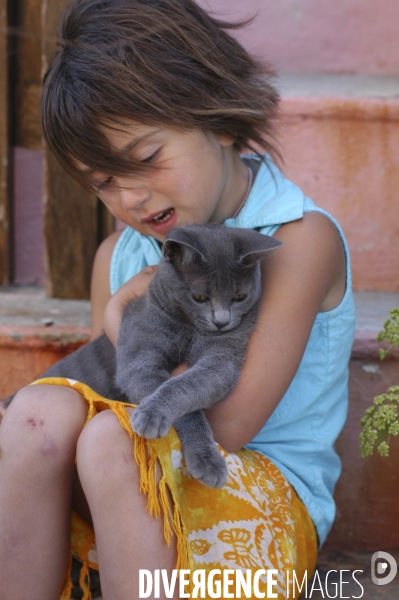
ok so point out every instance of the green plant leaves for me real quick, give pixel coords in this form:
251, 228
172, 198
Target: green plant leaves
381, 421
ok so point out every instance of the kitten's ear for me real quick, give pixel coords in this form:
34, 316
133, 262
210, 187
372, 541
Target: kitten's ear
255, 246
181, 246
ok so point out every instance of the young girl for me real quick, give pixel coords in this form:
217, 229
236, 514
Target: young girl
151, 103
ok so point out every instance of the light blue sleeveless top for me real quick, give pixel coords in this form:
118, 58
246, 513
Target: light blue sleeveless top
299, 436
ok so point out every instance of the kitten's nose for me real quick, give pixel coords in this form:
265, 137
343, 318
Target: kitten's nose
221, 318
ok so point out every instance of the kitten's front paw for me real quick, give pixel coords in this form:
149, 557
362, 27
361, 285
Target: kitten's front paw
208, 467
150, 423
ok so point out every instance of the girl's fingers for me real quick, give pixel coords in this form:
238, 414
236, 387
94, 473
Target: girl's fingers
179, 369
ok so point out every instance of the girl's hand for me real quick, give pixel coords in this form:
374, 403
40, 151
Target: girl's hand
180, 369
134, 288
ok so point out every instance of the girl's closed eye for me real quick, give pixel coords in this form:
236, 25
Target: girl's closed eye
103, 185
152, 157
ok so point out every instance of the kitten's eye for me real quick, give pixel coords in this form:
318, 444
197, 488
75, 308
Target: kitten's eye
200, 298
240, 297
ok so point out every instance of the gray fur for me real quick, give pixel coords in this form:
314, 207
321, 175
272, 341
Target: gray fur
168, 327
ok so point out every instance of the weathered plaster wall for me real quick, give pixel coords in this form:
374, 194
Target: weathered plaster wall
335, 36
350, 167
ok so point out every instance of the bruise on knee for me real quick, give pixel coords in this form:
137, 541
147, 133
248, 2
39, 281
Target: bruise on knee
49, 446
33, 423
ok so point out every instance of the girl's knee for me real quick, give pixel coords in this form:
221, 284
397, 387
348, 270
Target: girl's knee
43, 416
105, 449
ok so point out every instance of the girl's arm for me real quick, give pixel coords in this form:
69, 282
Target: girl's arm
100, 291
303, 277
134, 288
106, 310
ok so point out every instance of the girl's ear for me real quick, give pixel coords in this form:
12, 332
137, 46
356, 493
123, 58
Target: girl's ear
225, 140
184, 247
254, 246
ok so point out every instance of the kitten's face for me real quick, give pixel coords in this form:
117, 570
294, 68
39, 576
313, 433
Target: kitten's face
212, 273
215, 301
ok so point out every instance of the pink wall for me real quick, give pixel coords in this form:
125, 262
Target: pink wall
335, 36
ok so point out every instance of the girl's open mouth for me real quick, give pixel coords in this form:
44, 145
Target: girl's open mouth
163, 221
164, 216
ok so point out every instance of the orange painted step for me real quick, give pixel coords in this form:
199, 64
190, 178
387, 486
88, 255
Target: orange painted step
36, 332
340, 142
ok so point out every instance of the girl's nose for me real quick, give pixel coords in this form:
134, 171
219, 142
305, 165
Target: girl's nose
133, 195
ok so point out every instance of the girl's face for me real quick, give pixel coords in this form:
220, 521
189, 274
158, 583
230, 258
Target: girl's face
199, 178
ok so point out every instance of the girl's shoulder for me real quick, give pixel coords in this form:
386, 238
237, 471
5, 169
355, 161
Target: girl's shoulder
107, 246
102, 259
132, 252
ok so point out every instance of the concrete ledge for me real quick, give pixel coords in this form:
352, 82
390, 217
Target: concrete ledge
30, 307
365, 346
359, 109
349, 85
28, 346
358, 97
372, 310
21, 337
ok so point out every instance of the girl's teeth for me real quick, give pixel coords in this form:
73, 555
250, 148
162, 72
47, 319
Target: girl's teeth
163, 216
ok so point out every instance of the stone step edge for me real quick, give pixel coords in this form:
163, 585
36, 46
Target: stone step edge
62, 339
21, 337
340, 107
365, 346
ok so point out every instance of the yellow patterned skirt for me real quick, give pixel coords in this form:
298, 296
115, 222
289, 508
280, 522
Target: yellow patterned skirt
256, 521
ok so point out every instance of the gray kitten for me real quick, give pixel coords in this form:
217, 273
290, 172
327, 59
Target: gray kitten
200, 308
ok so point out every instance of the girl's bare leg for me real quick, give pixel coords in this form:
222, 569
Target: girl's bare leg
128, 538
38, 437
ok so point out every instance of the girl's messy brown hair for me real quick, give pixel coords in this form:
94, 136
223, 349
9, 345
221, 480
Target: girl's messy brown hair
157, 62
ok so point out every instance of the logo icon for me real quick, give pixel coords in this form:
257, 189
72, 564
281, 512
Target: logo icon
383, 564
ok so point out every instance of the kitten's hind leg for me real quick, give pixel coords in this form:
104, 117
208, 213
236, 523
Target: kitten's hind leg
202, 457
